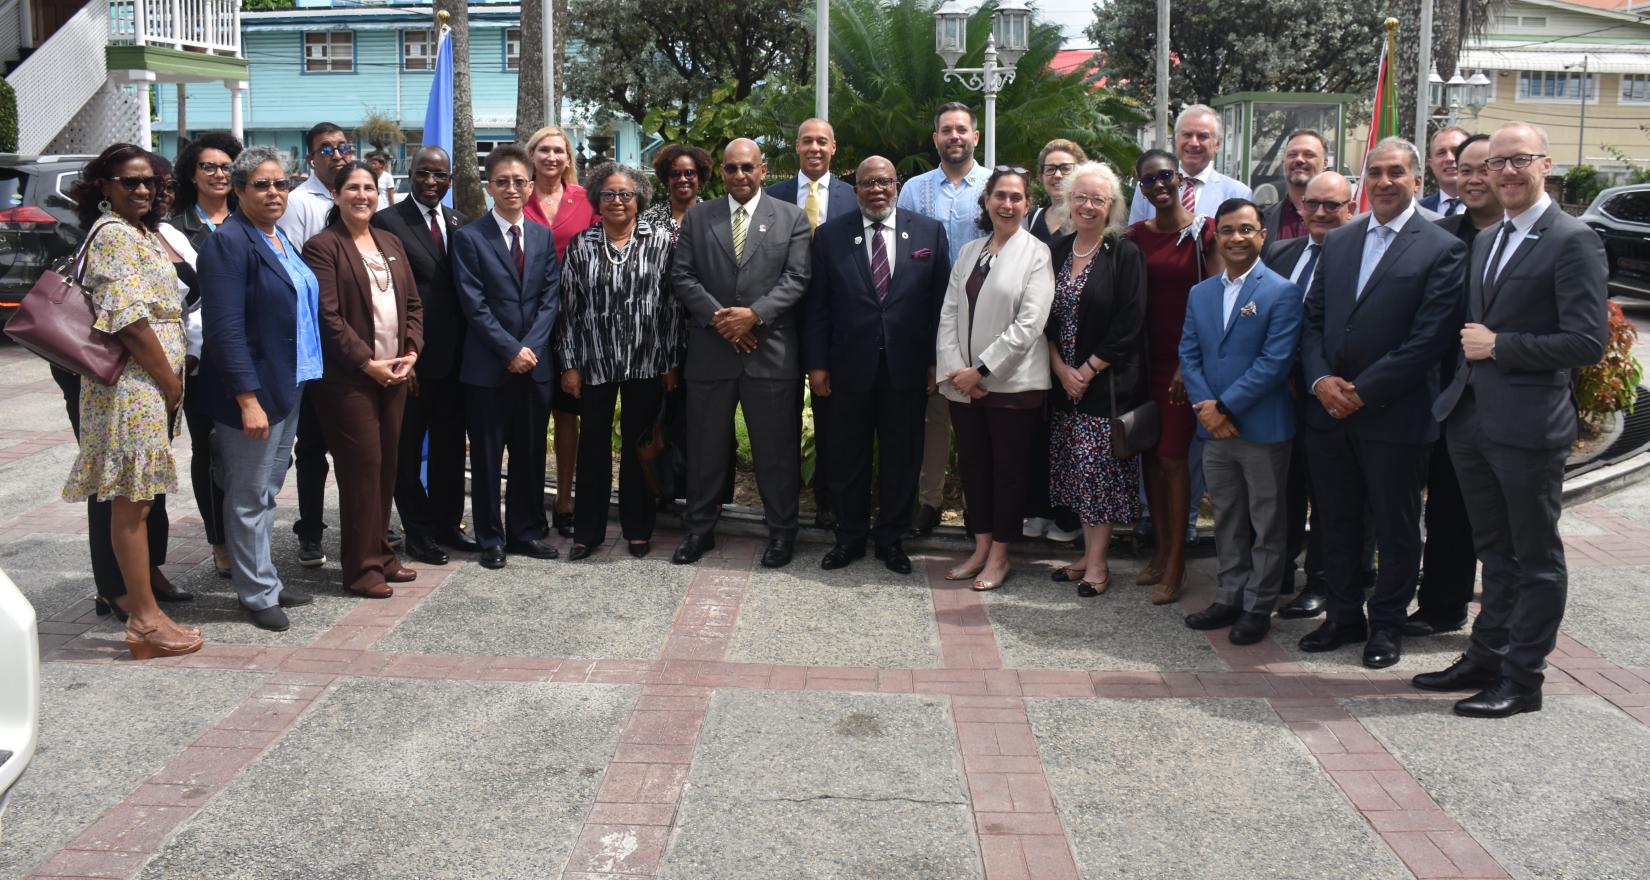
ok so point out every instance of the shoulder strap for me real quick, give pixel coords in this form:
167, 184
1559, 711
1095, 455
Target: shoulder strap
77, 267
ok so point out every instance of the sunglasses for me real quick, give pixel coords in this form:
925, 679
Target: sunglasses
437, 176
738, 168
683, 174
1313, 206
1007, 169
265, 184
622, 196
877, 183
1161, 178
340, 150
134, 183
213, 167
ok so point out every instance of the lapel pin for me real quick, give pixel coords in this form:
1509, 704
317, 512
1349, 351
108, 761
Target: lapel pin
858, 240
761, 229
904, 235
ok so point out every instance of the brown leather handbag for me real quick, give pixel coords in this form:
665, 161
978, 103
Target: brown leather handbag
55, 320
1135, 431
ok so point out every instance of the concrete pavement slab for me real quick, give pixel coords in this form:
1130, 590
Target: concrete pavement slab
1556, 795
105, 728
1632, 502
1198, 789
53, 570
35, 480
428, 779
1040, 623
813, 786
862, 615
1609, 611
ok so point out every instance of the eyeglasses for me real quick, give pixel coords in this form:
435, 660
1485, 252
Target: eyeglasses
437, 176
1244, 230
1008, 169
509, 183
876, 182
341, 150
213, 167
1086, 199
1314, 206
1161, 178
1520, 161
622, 196
263, 184
683, 174
170, 186
731, 168
133, 184
1061, 168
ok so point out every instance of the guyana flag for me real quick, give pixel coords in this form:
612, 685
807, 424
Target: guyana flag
1383, 123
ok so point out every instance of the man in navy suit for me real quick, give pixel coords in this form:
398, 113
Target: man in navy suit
1445, 201
868, 346
509, 285
823, 198
1236, 353
1384, 306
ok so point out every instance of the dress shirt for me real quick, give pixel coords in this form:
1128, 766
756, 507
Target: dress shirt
1521, 228
309, 308
887, 239
1212, 189
306, 211
955, 206
1234, 287
504, 227
824, 194
1375, 248
1305, 281
1448, 204
426, 212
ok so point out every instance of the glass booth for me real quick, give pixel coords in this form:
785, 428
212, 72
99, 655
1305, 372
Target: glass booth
1256, 124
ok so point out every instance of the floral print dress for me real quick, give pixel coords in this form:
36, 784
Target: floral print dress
125, 441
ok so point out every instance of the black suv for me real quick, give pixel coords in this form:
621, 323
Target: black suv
1621, 216
37, 220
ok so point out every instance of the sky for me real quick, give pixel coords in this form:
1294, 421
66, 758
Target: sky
1072, 15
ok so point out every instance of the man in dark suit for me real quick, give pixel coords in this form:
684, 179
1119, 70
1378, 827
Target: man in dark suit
1445, 201
509, 285
1536, 313
426, 229
1326, 203
1379, 315
868, 345
1304, 155
823, 198
740, 269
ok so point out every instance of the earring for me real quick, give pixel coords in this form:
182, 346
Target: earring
104, 206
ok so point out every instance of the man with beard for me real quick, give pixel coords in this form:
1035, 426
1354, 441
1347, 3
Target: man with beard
1197, 138
1446, 200
1304, 155
949, 194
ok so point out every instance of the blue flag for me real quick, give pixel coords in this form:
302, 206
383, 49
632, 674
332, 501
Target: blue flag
438, 113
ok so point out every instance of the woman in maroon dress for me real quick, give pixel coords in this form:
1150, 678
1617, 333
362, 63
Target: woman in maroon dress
1180, 251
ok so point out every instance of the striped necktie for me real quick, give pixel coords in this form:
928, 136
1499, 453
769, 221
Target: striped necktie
739, 234
1188, 194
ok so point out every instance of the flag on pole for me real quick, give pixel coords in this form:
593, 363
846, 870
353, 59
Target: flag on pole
1383, 122
438, 113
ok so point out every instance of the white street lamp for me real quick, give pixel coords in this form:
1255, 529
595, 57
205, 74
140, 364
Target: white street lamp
1010, 38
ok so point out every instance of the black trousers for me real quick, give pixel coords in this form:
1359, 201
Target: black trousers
885, 422
992, 445
1514, 497
208, 494
1037, 492
438, 411
1298, 509
99, 514
1448, 561
1348, 473
310, 451
594, 479
513, 416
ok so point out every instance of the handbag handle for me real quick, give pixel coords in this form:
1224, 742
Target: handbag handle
78, 267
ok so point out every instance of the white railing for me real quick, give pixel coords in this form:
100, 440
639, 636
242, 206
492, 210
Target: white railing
60, 77
198, 25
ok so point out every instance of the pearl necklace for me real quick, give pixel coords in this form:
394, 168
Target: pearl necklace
1081, 255
608, 250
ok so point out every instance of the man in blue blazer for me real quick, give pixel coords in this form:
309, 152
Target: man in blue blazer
1236, 353
509, 285
868, 346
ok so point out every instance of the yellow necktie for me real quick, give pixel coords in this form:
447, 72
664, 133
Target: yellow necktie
812, 205
739, 233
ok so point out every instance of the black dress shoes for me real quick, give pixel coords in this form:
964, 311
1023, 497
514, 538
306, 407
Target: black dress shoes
1310, 603
456, 539
1502, 700
825, 518
639, 550
166, 591
563, 521
840, 556
291, 598
1250, 628
1214, 617
778, 554
923, 525
894, 557
1329, 637
578, 552
1462, 675
1384, 648
424, 550
271, 618
1417, 625
691, 548
492, 557
535, 548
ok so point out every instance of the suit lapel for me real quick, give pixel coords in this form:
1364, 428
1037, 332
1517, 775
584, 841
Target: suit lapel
1475, 282
756, 229
719, 217
1394, 252
412, 214
1530, 242
1243, 298
854, 238
262, 247
501, 249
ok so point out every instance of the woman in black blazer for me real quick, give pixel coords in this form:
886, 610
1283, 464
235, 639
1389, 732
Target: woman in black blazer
1094, 340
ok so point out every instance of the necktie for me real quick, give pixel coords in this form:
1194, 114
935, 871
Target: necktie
515, 250
739, 234
812, 205
1493, 276
881, 274
1372, 256
436, 237
1188, 193
1448, 207
1312, 249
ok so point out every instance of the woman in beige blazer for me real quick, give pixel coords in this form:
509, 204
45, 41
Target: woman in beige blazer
993, 367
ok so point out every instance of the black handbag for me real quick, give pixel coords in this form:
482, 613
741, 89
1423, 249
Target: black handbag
1135, 431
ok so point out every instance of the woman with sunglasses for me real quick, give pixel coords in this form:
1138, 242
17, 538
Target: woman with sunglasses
683, 170
262, 343
620, 333
1180, 251
125, 454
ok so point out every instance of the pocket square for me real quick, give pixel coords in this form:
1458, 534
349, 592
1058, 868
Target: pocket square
922, 253
1248, 310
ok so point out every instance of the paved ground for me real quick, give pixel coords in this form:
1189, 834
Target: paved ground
626, 719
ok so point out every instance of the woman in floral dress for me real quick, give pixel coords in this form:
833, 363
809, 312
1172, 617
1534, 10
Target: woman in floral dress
125, 442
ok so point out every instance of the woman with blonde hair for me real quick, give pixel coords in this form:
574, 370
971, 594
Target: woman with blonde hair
1054, 167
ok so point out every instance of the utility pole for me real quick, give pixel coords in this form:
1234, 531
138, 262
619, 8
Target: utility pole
1163, 75
1423, 84
822, 56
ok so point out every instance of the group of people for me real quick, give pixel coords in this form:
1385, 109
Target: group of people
1300, 361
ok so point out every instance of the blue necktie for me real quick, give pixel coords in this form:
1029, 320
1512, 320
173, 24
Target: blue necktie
1312, 250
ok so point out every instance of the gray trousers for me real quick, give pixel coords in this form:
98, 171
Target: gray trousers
253, 471
773, 419
936, 451
1247, 484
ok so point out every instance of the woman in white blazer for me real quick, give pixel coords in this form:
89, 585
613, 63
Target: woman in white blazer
993, 364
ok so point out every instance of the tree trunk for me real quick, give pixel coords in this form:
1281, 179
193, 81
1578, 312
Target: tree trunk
467, 195
530, 109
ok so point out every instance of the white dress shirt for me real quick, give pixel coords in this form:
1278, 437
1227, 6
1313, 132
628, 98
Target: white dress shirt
426, 211
504, 227
824, 195
1234, 287
1522, 224
306, 211
1375, 246
750, 207
887, 240
1305, 282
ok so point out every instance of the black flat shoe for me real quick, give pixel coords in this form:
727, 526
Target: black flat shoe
1462, 675
457, 540
1329, 637
535, 548
893, 556
579, 551
640, 550
1419, 626
492, 557
1214, 617
1502, 700
166, 591
104, 608
1310, 603
1090, 589
691, 548
1250, 628
1067, 575
841, 556
272, 618
563, 521
778, 554
424, 550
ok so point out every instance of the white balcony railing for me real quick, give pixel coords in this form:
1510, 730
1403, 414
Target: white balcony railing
195, 25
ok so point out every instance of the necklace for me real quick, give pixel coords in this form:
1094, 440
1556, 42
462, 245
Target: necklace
375, 264
1082, 255
609, 250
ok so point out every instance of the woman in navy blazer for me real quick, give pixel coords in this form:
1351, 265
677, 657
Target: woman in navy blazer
262, 343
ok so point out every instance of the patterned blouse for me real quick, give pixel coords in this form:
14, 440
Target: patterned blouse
618, 320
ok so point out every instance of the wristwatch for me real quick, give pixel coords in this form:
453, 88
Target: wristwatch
982, 369
1220, 407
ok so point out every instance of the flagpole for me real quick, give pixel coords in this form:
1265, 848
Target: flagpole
1423, 82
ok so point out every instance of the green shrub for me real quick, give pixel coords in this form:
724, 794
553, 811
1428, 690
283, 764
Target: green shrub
1581, 184
1612, 384
8, 118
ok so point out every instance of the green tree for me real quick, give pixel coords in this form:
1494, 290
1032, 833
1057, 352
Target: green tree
261, 5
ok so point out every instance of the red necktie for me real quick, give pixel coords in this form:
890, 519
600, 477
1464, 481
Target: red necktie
515, 250
435, 231
1188, 194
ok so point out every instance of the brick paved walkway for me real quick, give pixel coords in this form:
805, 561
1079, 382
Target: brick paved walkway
620, 718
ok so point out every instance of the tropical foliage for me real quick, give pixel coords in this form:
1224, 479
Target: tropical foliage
1612, 384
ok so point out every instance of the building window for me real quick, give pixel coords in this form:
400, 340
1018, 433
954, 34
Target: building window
1556, 86
418, 50
329, 52
512, 48
1635, 88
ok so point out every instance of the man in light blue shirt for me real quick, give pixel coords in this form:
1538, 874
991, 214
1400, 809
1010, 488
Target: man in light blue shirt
1197, 138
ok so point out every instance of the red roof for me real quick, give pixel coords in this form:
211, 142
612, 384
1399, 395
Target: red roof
1069, 60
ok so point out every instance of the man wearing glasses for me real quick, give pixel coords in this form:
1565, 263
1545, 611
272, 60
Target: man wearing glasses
1536, 313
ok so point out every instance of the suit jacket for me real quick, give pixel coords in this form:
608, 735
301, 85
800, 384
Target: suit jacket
1111, 315
1005, 331
848, 329
771, 280
1281, 256
346, 301
506, 311
1434, 202
841, 198
1389, 341
1244, 363
250, 311
1549, 316
432, 270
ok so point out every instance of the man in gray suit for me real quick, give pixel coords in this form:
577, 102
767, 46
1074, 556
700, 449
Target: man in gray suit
740, 269
1512, 417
